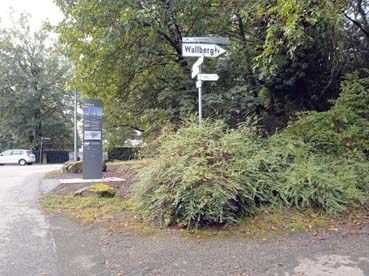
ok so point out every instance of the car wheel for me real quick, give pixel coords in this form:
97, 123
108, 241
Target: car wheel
22, 162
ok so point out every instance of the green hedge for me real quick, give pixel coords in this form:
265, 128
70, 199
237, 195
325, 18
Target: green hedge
123, 153
53, 156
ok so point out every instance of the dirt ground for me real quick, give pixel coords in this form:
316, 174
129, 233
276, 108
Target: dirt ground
125, 171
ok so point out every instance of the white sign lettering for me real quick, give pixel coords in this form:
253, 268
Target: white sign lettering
198, 50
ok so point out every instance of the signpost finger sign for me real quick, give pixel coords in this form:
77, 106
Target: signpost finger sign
202, 47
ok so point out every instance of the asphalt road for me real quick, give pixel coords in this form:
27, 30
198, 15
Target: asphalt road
27, 244
33, 244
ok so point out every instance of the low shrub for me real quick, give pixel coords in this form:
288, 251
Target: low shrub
209, 175
291, 172
265, 168
195, 180
325, 182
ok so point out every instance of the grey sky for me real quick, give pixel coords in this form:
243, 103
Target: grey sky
40, 10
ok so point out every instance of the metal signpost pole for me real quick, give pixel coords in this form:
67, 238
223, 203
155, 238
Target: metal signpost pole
200, 104
75, 127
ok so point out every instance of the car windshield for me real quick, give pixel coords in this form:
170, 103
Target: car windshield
6, 153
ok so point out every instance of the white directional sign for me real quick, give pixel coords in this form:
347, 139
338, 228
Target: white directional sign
198, 50
195, 71
208, 39
198, 62
207, 77
196, 66
198, 84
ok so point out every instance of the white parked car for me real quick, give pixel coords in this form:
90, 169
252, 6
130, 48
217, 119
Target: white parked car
17, 156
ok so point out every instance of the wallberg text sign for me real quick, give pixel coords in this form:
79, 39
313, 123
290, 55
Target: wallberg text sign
198, 50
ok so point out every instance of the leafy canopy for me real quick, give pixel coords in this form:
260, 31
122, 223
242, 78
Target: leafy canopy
33, 99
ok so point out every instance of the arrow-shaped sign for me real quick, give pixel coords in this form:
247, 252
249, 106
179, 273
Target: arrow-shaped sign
198, 50
209, 40
195, 71
207, 77
196, 66
198, 62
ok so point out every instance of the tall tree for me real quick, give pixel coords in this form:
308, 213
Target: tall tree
33, 99
284, 57
129, 54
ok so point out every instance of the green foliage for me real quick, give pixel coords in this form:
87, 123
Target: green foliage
33, 100
195, 179
329, 183
346, 125
123, 153
205, 175
293, 173
284, 56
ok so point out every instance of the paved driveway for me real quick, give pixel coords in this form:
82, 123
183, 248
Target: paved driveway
30, 244
334, 254
26, 245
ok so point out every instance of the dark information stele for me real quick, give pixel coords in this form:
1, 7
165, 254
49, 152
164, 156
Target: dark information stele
92, 139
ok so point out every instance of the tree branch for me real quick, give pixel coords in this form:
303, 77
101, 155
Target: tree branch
357, 23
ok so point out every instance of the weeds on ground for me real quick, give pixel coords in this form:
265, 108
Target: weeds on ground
86, 209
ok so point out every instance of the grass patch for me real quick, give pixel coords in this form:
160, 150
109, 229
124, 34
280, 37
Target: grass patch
119, 216
86, 209
126, 162
268, 223
284, 221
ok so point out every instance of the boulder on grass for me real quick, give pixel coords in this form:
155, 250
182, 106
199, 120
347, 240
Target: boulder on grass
99, 190
72, 167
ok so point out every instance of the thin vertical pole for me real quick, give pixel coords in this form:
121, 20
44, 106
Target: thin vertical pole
41, 151
200, 101
200, 107
75, 127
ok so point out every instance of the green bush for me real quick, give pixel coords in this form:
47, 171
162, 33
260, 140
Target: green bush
266, 168
329, 183
209, 175
292, 172
195, 179
346, 125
